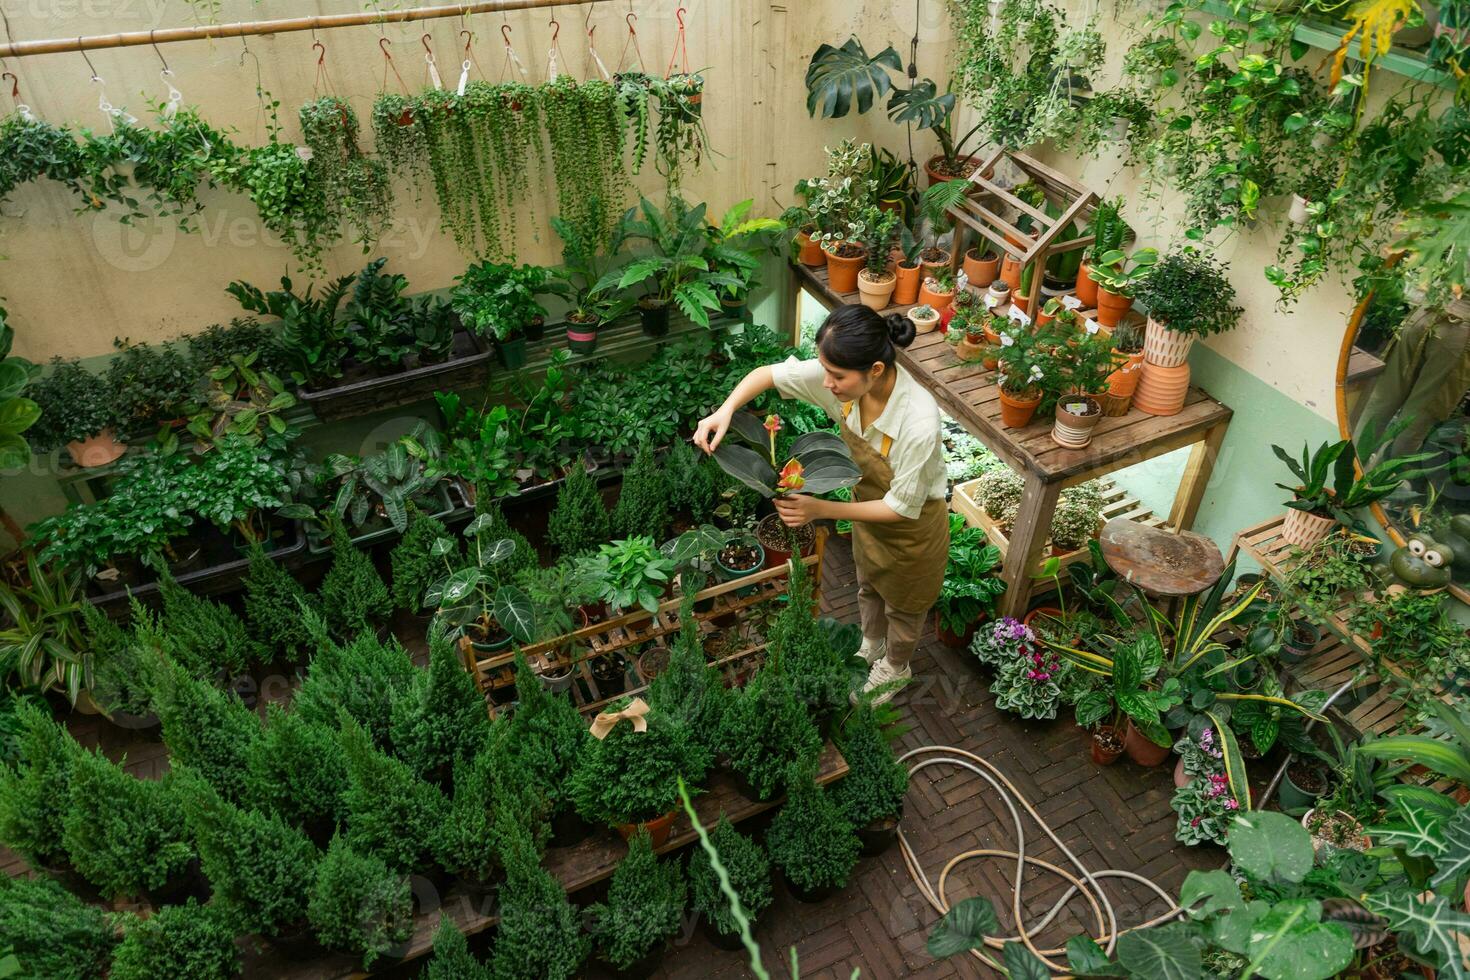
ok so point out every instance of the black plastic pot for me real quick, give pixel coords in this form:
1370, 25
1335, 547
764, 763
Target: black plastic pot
734, 308
879, 835
225, 572
729, 941
1301, 639
582, 337
536, 329
183, 886
655, 319
568, 828
611, 675
467, 368
812, 896
513, 353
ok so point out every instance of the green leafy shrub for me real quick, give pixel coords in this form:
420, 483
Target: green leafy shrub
413, 568
692, 692
580, 521
875, 784
452, 958
461, 840
259, 868
541, 936
207, 638
810, 839
441, 717
208, 730
390, 811
643, 501
297, 770
52, 932
765, 729
362, 677
358, 904
544, 738
352, 593
645, 903
693, 482
128, 662
181, 942
273, 607
33, 794
749, 869
630, 777
124, 835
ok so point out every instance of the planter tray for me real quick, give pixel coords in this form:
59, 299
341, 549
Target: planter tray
467, 368
576, 868
217, 579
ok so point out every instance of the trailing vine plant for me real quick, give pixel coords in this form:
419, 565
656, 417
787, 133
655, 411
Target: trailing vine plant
398, 138
355, 186
584, 127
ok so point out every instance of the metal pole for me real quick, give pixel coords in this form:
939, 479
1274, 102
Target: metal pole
21, 49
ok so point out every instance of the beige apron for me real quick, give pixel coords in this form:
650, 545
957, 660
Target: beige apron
903, 560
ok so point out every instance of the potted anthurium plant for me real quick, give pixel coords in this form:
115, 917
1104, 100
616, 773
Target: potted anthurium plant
481, 599
593, 301
815, 463
676, 272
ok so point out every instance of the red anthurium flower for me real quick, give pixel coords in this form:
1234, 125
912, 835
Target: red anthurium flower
773, 424
791, 478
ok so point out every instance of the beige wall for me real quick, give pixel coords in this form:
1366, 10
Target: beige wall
73, 282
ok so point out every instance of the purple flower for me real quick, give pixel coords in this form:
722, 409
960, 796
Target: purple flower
1232, 804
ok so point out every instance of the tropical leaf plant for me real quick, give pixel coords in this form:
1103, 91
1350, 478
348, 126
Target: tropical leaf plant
838, 78
42, 642
1428, 926
677, 271
482, 592
17, 414
815, 463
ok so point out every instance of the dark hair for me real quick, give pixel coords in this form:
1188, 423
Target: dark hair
854, 337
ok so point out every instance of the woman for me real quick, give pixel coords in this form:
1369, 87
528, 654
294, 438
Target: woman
900, 531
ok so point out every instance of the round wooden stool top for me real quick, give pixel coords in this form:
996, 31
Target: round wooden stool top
1161, 562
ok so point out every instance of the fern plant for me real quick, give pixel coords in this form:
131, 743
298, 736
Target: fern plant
677, 271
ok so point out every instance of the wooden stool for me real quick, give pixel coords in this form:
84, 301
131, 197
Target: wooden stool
1161, 562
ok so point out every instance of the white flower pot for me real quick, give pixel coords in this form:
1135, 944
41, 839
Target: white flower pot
1163, 347
1303, 529
1297, 215
1118, 130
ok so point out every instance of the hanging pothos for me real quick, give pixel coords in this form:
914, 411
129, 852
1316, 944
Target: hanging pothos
355, 186
584, 125
398, 137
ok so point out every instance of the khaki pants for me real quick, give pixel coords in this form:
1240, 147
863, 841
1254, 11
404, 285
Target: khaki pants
882, 621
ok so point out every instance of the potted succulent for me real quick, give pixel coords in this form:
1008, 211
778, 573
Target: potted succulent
592, 303
1021, 376
1117, 275
1128, 359
631, 573
1335, 827
970, 588
76, 411
1187, 294
938, 289
925, 318
481, 599
876, 282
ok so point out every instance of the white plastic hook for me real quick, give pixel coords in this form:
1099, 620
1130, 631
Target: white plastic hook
551, 70
175, 97
464, 78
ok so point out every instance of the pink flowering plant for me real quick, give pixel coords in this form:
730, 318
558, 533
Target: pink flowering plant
1205, 807
1202, 753
1028, 675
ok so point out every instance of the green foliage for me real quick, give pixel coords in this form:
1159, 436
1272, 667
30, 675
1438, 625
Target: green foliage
540, 935
580, 521
694, 482
644, 907
297, 770
413, 568
971, 587
273, 607
643, 501
1190, 292
452, 959
483, 784
545, 736
630, 572
352, 593
963, 928
128, 661
630, 777
765, 729
692, 692
875, 784
493, 526
41, 638
585, 129
362, 677
203, 636
355, 186
749, 869
441, 718
837, 78
149, 385
208, 730
182, 942
124, 835
74, 404
359, 905
391, 813
259, 869
51, 931
803, 646
34, 793
810, 839
499, 301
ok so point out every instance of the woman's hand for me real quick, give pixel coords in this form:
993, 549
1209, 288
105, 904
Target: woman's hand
798, 508
712, 429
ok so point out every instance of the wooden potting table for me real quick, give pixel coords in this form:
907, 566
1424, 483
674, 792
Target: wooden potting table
968, 393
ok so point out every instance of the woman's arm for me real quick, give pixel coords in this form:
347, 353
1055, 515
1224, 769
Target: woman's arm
798, 509
713, 428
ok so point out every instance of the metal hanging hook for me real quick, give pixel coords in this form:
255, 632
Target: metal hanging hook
14, 84
469, 39
166, 68
505, 33
555, 29
83, 52
425, 42
322, 57
630, 19
383, 43
679, 16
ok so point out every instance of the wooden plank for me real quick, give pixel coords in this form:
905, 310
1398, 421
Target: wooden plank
1196, 478
1028, 537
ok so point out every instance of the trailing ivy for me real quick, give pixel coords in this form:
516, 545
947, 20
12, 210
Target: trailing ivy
585, 128
355, 186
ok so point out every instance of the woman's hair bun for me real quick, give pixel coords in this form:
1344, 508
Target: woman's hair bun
900, 329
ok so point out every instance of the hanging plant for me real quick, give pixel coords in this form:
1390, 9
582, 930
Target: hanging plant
355, 186
635, 91
31, 148
172, 160
399, 138
452, 164
681, 135
507, 132
584, 124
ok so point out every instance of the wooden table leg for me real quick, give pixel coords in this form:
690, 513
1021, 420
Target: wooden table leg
1196, 478
1028, 537
792, 302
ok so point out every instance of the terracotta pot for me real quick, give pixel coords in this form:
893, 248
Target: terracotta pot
924, 324
1161, 390
1303, 529
1010, 272
98, 449
1086, 288
906, 288
1072, 430
1115, 406
1111, 307
658, 829
1043, 317
930, 268
935, 177
955, 641
940, 301
1124, 381
991, 336
1015, 413
1022, 303
981, 272
811, 252
876, 293
1164, 347
1141, 749
1102, 755
842, 271
1181, 779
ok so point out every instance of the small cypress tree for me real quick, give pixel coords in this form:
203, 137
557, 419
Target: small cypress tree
273, 607
441, 718
129, 662
765, 729
693, 482
206, 637
358, 904
34, 794
298, 771
690, 691
643, 502
53, 933
259, 868
124, 835
645, 904
208, 730
810, 839
414, 569
631, 776
390, 812
579, 522
749, 869
452, 958
540, 935
181, 942
462, 843
819, 673
545, 736
498, 528
875, 784
352, 594
362, 676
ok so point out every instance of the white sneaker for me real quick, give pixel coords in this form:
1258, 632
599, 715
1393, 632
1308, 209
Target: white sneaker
884, 674
873, 650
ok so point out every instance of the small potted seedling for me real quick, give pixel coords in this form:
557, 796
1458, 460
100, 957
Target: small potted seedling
489, 611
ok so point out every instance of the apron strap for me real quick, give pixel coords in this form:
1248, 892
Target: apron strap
887, 439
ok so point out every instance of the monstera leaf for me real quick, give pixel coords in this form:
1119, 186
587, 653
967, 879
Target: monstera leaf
838, 76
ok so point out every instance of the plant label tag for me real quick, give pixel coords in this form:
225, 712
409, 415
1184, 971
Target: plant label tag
1072, 302
991, 302
1019, 315
464, 79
